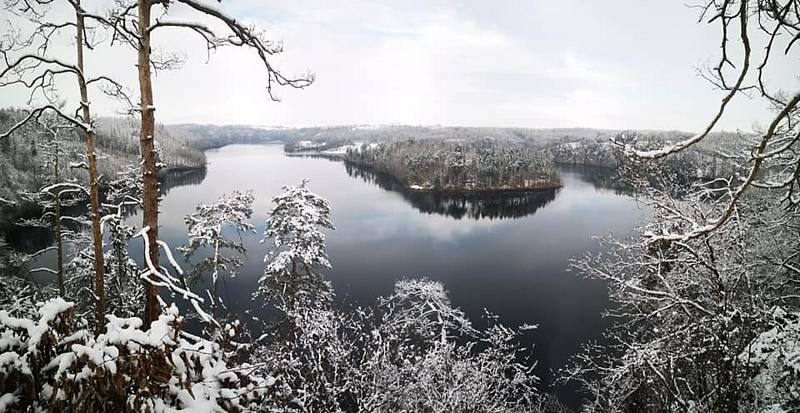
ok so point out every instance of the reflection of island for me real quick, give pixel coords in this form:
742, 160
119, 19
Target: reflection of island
173, 178
476, 205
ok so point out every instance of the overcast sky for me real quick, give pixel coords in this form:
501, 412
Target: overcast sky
607, 64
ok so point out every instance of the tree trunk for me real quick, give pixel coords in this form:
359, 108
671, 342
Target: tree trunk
99, 273
57, 230
149, 164
122, 264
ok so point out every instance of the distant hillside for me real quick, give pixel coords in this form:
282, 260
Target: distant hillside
121, 135
335, 136
578, 146
205, 137
181, 145
326, 137
21, 161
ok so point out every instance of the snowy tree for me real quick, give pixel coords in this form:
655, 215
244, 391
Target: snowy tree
699, 288
304, 350
420, 309
292, 277
417, 352
308, 358
207, 227
28, 61
19, 296
79, 281
775, 354
134, 24
688, 308
125, 295
56, 194
393, 357
771, 156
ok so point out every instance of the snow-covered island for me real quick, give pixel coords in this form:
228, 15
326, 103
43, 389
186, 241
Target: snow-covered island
483, 165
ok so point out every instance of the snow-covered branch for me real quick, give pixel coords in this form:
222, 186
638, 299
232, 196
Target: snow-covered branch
165, 280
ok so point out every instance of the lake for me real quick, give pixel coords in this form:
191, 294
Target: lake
507, 254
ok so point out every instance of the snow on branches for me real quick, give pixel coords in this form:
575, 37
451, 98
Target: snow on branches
392, 357
295, 226
48, 365
206, 230
421, 308
418, 352
687, 308
161, 277
775, 354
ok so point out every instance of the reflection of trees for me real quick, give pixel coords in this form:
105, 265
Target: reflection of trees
316, 155
27, 239
601, 177
476, 205
181, 177
630, 180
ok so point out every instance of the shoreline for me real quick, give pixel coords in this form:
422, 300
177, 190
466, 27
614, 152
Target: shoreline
416, 188
453, 191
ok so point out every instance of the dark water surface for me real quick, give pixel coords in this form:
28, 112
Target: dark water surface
508, 255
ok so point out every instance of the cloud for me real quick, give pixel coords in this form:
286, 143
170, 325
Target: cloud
532, 64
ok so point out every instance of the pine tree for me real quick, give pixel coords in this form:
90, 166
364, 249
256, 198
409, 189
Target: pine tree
292, 276
207, 227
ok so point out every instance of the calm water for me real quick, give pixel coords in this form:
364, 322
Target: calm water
507, 254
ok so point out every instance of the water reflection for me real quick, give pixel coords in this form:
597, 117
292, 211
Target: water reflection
31, 239
609, 179
181, 177
498, 205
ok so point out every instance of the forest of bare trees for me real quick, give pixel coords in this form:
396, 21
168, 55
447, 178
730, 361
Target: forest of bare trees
708, 310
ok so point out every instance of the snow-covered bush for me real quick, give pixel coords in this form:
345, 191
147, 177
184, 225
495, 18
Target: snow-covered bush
308, 358
411, 352
20, 297
125, 297
686, 308
416, 352
47, 364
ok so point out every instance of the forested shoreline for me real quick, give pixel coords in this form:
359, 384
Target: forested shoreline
23, 169
118, 145
584, 147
